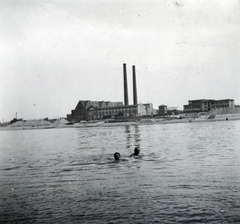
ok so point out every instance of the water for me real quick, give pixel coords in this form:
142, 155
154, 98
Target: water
188, 173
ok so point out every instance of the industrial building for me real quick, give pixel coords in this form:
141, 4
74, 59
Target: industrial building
92, 110
205, 105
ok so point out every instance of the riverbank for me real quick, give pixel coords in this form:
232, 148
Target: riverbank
30, 125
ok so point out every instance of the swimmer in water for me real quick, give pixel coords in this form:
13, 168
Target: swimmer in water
136, 152
117, 156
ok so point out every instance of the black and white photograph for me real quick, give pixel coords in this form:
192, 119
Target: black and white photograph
119, 111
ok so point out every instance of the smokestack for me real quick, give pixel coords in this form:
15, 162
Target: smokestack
125, 85
135, 102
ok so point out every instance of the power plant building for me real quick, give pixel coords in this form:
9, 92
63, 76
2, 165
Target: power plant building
92, 110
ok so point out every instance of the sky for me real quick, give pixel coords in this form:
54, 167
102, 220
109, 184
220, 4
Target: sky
57, 52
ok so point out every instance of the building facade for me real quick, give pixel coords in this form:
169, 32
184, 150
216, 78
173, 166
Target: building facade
207, 104
118, 111
148, 108
95, 110
162, 109
84, 108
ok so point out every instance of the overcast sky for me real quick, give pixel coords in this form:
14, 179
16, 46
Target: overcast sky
57, 52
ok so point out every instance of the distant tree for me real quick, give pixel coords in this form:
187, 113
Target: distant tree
13, 120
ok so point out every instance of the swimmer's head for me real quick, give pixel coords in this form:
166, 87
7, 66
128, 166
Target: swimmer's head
136, 151
117, 156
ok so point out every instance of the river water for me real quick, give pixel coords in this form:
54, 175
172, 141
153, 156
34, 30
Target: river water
188, 173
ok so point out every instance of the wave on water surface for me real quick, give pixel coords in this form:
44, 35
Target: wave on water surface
188, 173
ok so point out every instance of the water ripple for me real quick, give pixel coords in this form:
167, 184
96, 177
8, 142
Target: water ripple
187, 173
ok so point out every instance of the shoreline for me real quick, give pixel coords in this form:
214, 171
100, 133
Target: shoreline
150, 121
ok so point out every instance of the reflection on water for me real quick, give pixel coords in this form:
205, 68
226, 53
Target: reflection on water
189, 173
133, 137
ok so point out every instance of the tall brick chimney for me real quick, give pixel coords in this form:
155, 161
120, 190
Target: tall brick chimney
135, 102
125, 85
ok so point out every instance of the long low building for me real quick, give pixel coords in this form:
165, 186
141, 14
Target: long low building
92, 110
82, 112
207, 104
113, 111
